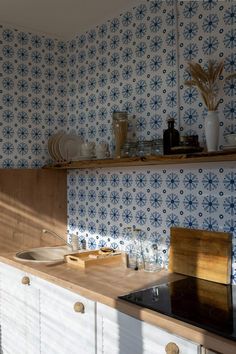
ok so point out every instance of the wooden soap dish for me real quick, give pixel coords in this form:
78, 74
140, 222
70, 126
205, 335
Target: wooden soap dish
96, 257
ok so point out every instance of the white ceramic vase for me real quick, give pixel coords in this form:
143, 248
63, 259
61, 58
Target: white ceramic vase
212, 131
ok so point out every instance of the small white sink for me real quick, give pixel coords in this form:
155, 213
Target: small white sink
43, 254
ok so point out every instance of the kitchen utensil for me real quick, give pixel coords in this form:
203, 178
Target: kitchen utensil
202, 254
69, 147
55, 147
51, 146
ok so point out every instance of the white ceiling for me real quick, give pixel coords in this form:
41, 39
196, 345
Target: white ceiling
61, 18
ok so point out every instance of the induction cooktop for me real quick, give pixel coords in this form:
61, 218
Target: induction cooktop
202, 303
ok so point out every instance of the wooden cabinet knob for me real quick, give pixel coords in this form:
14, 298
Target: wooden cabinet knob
25, 280
79, 307
172, 348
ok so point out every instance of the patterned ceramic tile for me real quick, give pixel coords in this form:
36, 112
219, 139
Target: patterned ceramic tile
164, 38
128, 63
33, 103
207, 32
103, 203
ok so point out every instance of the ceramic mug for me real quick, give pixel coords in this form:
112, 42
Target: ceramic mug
102, 150
87, 149
230, 139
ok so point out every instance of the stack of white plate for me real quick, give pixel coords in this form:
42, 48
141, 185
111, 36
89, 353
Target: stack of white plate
64, 147
229, 147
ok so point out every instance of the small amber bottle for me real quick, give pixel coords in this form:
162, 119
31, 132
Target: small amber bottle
170, 137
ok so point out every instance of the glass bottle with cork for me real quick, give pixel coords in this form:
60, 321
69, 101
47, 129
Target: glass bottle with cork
170, 136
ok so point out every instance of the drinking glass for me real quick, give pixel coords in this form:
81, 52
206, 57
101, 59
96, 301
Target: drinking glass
150, 257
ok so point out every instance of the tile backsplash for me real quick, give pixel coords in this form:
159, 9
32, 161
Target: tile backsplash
134, 62
33, 100
102, 203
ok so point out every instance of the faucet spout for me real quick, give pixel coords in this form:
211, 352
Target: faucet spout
56, 235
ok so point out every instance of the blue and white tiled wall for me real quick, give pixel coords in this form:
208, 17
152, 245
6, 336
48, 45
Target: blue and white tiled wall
137, 62
102, 203
134, 62
207, 30
33, 96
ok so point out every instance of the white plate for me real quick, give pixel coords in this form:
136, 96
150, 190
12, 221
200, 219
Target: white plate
51, 145
229, 147
86, 157
69, 147
55, 146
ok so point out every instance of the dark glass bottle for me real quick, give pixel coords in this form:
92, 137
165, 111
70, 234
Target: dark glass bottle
170, 137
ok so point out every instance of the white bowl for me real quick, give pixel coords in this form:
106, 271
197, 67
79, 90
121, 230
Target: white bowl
230, 139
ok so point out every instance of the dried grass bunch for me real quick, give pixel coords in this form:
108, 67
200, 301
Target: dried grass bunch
207, 80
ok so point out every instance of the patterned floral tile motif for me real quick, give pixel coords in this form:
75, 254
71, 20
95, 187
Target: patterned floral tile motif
103, 203
33, 103
134, 62
207, 31
128, 63
157, 37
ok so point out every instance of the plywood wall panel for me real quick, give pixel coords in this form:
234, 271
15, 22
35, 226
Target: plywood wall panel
31, 200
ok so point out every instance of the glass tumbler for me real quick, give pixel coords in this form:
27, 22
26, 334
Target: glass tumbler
150, 257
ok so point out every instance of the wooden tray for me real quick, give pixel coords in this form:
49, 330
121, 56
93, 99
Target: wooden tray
93, 258
201, 254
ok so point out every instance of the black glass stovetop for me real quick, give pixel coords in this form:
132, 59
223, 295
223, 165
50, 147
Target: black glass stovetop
202, 303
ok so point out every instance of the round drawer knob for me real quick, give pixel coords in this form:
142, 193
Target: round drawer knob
79, 307
172, 348
25, 280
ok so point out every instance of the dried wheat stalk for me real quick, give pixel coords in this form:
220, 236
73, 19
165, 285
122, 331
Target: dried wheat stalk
206, 81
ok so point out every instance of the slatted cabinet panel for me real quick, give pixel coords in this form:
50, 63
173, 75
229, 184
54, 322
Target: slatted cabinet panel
121, 334
67, 321
20, 313
42, 318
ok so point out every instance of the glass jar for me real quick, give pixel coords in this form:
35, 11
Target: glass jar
129, 149
157, 147
120, 129
144, 148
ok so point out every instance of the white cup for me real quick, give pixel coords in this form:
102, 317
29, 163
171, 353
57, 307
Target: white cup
102, 150
102, 147
230, 139
87, 149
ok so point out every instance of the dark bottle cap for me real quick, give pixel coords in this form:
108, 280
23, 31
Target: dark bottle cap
170, 120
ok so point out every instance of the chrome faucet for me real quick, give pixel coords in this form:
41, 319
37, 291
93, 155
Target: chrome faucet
55, 234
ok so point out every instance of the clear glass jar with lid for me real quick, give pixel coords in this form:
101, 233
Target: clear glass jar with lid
129, 149
157, 147
144, 148
120, 129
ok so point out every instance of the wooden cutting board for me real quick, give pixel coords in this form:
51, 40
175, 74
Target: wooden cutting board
201, 254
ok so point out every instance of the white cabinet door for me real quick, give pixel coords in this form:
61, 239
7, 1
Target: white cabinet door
118, 333
63, 330
19, 313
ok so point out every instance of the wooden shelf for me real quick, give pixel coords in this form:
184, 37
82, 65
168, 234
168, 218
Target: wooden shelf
229, 155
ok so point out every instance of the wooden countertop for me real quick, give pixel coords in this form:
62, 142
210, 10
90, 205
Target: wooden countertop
104, 284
